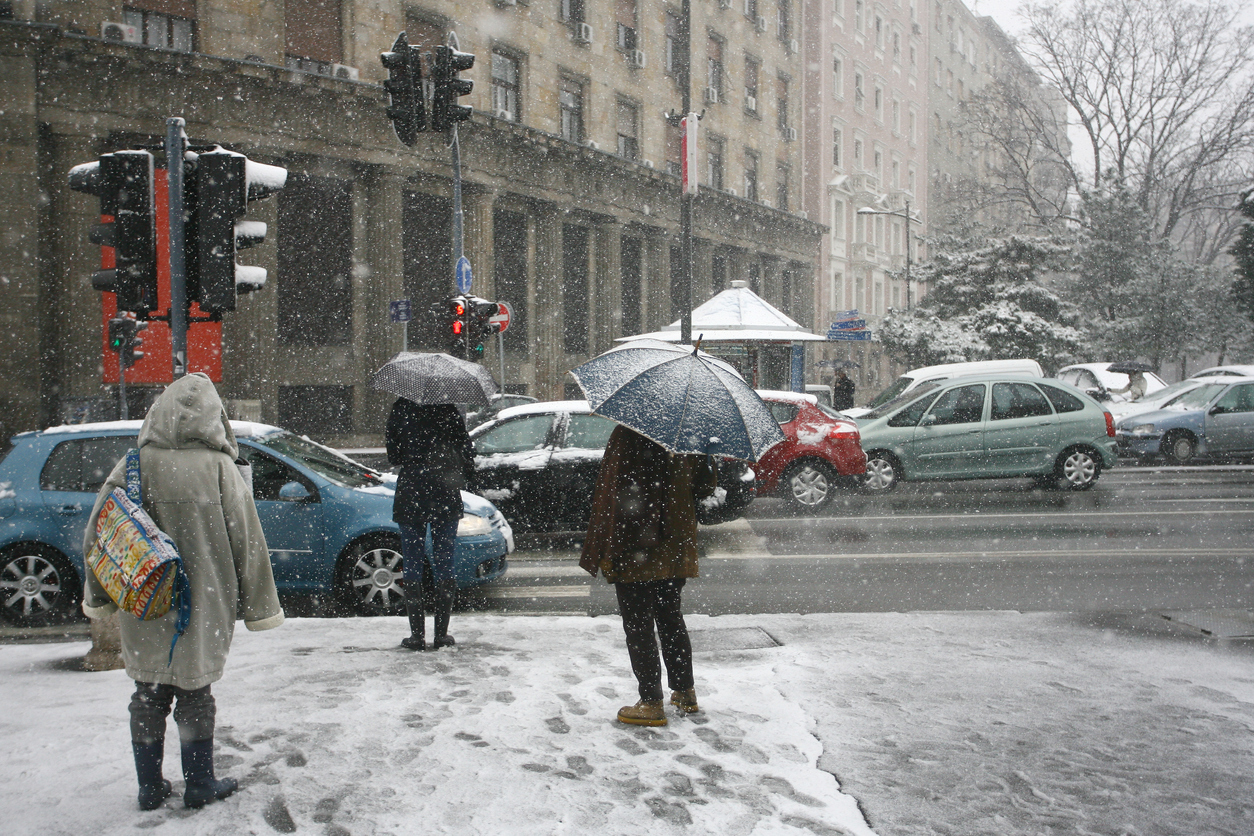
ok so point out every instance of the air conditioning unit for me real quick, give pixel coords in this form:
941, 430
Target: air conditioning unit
791, 133
766, 203
759, 23
711, 95
793, 46
122, 32
647, 163
751, 103
724, 4
504, 3
637, 58
583, 33
591, 143
804, 215
344, 71
502, 113
731, 191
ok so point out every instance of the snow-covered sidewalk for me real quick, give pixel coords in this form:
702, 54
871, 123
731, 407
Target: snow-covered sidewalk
995, 723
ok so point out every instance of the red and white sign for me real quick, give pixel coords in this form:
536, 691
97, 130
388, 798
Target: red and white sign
504, 313
690, 166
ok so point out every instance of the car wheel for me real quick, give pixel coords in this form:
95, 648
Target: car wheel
1180, 447
883, 472
370, 577
38, 586
1077, 469
809, 485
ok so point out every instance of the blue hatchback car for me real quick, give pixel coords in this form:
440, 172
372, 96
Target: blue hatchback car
327, 519
1214, 419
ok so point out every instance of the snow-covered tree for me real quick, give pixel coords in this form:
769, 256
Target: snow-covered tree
988, 301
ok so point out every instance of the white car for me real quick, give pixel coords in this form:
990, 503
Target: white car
1149, 403
1226, 371
1094, 380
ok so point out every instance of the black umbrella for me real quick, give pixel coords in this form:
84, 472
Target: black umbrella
435, 378
1129, 366
845, 364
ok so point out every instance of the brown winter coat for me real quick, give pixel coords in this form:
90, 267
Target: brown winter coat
644, 513
194, 492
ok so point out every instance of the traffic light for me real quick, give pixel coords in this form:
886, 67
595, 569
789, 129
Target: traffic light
218, 188
457, 324
446, 87
480, 329
408, 110
123, 182
124, 338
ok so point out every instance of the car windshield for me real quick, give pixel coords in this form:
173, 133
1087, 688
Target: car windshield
892, 406
891, 393
321, 460
1196, 398
1164, 395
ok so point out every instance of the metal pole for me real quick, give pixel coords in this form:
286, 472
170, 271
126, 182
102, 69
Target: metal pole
684, 291
500, 354
122, 408
174, 148
457, 229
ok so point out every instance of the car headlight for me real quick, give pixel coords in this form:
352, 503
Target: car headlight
1143, 429
473, 525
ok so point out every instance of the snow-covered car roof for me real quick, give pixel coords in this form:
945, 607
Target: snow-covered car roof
541, 407
1225, 371
1114, 380
242, 429
782, 395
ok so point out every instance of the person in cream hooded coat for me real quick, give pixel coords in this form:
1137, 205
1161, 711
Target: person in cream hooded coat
195, 492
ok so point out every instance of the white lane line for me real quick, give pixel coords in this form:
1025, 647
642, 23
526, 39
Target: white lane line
536, 592
1055, 515
519, 568
984, 555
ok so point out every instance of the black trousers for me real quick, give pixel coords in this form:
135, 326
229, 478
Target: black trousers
195, 713
645, 605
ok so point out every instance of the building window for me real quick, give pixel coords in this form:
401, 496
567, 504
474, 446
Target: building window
751, 175
574, 289
572, 11
859, 12
315, 245
785, 21
714, 66
782, 176
673, 44
570, 101
751, 9
628, 130
879, 32
718, 273
312, 36
714, 163
509, 264
752, 69
857, 154
859, 93
879, 103
838, 78
175, 31
837, 148
781, 104
838, 220
897, 116
505, 86
625, 20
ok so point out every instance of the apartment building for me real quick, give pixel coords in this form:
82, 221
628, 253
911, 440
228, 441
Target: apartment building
570, 184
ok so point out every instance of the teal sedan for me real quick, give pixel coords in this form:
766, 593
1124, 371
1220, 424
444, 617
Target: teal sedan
988, 428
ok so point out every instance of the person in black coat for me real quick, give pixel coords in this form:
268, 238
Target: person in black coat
842, 392
436, 457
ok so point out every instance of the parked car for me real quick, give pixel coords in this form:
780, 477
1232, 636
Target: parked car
945, 371
820, 454
1226, 371
988, 427
1095, 381
1214, 419
1149, 403
538, 463
484, 414
327, 519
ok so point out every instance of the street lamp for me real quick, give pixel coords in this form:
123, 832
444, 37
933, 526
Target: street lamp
867, 210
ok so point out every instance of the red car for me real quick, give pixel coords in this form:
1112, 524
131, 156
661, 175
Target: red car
821, 452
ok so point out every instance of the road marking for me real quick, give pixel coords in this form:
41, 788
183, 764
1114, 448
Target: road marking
536, 592
1055, 515
519, 568
1065, 552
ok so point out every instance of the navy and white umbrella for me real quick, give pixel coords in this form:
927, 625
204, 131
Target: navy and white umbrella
435, 378
681, 398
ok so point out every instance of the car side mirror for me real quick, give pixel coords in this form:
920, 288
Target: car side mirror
294, 492
1218, 410
928, 420
1097, 394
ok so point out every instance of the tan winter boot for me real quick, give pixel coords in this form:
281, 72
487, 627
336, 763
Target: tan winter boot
643, 713
685, 701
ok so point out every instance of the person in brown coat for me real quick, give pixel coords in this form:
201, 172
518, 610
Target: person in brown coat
643, 537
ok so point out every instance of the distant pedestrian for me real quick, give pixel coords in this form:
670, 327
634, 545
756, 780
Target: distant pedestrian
194, 491
643, 537
1135, 390
436, 457
842, 391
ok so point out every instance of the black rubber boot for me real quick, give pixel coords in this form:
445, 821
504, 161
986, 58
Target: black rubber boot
446, 594
202, 788
153, 789
417, 621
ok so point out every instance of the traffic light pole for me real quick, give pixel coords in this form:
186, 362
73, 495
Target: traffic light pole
175, 145
123, 412
684, 291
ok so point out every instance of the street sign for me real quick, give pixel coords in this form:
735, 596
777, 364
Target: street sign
400, 311
841, 316
503, 316
464, 278
849, 335
849, 325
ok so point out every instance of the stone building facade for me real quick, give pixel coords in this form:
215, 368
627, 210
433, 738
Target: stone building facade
569, 178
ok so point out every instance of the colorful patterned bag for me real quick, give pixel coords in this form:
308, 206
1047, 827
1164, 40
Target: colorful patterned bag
136, 562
